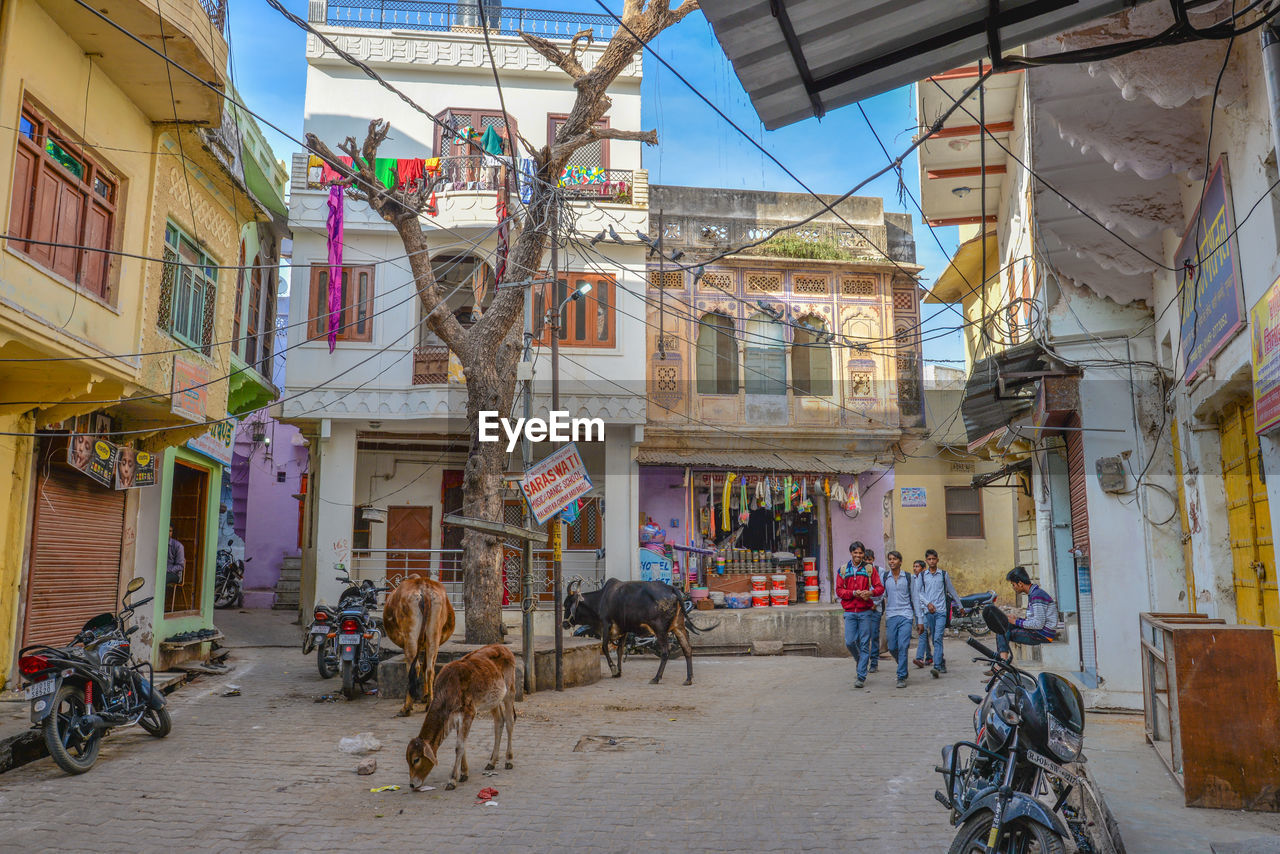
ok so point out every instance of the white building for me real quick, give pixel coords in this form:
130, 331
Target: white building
385, 412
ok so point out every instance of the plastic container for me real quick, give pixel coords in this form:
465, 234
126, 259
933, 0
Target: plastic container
810, 563
811, 593
808, 574
778, 598
779, 582
758, 582
760, 598
696, 593
717, 597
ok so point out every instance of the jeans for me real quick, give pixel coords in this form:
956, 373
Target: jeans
1019, 635
898, 631
857, 637
934, 626
875, 638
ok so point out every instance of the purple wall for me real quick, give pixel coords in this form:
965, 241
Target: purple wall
662, 499
266, 511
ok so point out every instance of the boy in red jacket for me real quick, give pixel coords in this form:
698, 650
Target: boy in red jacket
857, 585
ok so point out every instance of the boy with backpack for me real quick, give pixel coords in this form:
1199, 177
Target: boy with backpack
934, 592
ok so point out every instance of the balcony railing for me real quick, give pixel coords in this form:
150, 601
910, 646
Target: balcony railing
217, 12
431, 365
459, 17
445, 566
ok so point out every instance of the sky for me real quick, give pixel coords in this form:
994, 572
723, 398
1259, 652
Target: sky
696, 147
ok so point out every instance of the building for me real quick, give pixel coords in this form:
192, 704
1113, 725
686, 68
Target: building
796, 359
91, 172
384, 411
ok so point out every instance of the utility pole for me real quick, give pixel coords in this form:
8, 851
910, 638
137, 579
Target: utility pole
527, 600
556, 527
662, 292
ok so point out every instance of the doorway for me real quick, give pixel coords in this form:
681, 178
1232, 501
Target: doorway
188, 516
408, 538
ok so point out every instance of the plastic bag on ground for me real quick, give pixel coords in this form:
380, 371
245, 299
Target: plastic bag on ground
363, 742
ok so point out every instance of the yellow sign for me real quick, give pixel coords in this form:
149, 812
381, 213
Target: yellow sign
1264, 326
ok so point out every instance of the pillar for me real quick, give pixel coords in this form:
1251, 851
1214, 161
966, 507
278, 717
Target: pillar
333, 512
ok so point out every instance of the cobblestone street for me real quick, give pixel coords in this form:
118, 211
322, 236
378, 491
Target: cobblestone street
773, 754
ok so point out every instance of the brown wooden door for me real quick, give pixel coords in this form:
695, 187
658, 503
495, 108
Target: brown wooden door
75, 554
408, 528
188, 514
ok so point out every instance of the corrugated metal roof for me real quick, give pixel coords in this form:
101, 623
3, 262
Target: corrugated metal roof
847, 50
783, 461
983, 409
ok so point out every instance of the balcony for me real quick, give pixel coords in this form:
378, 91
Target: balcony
192, 32
431, 365
458, 17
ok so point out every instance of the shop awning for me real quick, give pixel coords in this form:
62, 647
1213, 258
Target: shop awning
964, 271
1002, 387
784, 461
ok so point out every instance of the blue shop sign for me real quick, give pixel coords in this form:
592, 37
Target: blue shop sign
1209, 288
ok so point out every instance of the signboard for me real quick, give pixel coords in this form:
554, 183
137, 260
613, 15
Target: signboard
1209, 284
913, 496
1264, 326
218, 444
554, 482
189, 387
655, 567
135, 468
94, 456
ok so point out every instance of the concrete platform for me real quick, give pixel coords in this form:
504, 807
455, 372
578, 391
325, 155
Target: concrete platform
816, 629
582, 663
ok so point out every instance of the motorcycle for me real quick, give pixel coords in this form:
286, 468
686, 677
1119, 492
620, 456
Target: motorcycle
1021, 784
348, 639
967, 614
228, 580
322, 634
81, 691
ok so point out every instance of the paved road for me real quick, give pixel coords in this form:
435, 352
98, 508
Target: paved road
776, 754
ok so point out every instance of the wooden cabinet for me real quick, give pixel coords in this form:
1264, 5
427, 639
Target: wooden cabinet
1213, 709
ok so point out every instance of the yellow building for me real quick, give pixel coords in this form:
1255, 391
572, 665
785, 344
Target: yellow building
105, 149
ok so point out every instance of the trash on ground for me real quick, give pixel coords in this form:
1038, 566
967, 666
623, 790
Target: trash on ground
363, 742
490, 803
232, 691
385, 789
327, 698
488, 793
367, 766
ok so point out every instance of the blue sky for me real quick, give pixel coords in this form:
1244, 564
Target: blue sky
696, 147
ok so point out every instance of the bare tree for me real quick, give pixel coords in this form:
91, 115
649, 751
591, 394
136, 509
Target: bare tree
489, 350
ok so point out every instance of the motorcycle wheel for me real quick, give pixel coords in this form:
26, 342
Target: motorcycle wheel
156, 722
349, 689
224, 598
74, 754
1022, 837
324, 661
978, 628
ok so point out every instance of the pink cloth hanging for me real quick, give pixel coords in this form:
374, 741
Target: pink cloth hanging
335, 263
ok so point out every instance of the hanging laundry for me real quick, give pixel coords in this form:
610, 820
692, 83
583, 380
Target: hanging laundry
528, 174
504, 231
491, 142
335, 262
329, 175
409, 172
431, 165
432, 207
385, 169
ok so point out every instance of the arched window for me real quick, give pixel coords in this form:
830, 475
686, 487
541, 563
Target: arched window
766, 356
717, 355
811, 358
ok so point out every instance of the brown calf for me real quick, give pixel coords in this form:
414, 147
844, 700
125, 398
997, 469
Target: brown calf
418, 619
481, 681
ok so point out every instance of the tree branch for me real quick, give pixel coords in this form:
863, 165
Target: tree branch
565, 148
566, 62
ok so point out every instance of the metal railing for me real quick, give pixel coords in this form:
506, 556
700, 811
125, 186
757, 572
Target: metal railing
610, 185
217, 12
463, 17
445, 566
431, 365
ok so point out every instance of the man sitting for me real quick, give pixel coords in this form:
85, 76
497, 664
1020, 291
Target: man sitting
1040, 625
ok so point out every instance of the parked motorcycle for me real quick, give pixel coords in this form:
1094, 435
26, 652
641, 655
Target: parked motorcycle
348, 639
80, 692
322, 635
228, 580
1021, 785
967, 616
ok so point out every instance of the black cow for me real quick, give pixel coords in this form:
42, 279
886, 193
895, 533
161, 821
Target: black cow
639, 607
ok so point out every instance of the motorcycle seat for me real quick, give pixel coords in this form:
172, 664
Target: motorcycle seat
976, 599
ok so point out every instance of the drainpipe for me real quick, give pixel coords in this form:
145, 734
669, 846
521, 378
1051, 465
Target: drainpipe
1271, 73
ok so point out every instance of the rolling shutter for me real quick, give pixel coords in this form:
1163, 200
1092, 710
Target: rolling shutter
75, 555
1078, 482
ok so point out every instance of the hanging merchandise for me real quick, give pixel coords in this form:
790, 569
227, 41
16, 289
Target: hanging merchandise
760, 492
853, 501
724, 500
335, 262
837, 493
768, 493
744, 506
786, 494
826, 487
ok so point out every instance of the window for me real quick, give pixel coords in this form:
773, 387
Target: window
188, 290
61, 196
585, 322
717, 355
811, 359
964, 513
355, 317
593, 156
237, 317
459, 119
361, 532
766, 356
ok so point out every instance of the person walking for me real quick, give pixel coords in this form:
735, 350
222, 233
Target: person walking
878, 635
933, 592
900, 612
1040, 625
918, 567
857, 584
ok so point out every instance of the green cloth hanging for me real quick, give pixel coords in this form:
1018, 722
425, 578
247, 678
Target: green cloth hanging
384, 168
491, 142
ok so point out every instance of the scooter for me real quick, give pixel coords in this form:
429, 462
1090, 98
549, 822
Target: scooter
1021, 785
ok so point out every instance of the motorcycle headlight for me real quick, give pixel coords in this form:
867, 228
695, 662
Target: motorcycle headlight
1063, 743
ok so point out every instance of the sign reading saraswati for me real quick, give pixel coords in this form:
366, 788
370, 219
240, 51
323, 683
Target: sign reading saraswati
1212, 302
1264, 328
551, 484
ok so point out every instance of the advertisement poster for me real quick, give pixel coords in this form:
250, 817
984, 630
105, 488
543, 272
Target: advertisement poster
218, 444
914, 496
189, 389
94, 456
554, 482
1264, 325
1209, 287
134, 468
